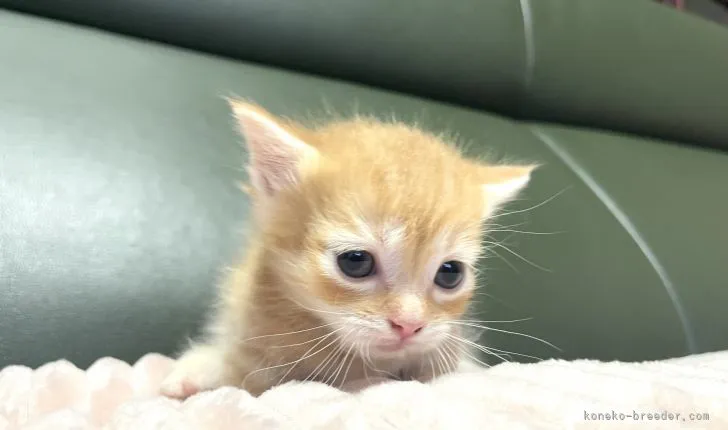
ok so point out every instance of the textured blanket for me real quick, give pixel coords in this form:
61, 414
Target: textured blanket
690, 392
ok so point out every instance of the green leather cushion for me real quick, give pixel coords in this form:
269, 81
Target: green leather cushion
623, 65
120, 209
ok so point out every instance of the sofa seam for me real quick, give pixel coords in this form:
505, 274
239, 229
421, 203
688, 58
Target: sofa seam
529, 49
622, 218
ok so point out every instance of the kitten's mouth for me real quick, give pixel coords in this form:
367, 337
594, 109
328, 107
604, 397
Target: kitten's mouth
393, 346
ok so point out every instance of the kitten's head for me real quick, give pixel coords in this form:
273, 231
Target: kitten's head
374, 227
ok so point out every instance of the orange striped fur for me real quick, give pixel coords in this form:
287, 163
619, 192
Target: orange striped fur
287, 312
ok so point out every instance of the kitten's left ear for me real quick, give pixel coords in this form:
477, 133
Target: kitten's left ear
502, 184
277, 155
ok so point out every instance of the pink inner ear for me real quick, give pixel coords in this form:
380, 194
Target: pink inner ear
275, 152
273, 163
494, 175
503, 183
259, 182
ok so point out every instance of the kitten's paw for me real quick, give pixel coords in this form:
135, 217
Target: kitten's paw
200, 369
179, 387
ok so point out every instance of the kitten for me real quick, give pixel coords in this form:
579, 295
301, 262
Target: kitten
365, 239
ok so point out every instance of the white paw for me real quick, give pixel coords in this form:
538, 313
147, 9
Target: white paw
179, 387
200, 369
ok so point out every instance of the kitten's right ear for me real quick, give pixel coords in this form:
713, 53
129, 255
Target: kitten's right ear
276, 154
502, 183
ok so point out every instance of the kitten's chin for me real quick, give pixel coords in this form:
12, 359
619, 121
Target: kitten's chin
384, 346
397, 349
392, 347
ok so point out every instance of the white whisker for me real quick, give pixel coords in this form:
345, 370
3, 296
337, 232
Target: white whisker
509, 332
324, 364
442, 362
348, 368
438, 359
320, 311
451, 355
326, 361
365, 366
286, 333
295, 362
504, 260
532, 207
297, 344
480, 347
506, 352
464, 350
492, 321
526, 232
500, 245
342, 361
490, 225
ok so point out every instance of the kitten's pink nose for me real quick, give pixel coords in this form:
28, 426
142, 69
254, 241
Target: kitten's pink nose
406, 329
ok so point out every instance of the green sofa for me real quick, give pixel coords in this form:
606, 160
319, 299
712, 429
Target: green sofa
119, 206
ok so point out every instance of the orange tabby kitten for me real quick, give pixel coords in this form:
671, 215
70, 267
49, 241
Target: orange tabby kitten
361, 261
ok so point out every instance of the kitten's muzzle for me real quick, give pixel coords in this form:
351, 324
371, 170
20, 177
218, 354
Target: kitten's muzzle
405, 329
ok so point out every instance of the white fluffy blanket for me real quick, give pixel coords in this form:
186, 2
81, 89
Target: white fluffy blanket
690, 392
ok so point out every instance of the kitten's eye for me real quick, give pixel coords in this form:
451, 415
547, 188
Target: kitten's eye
356, 264
449, 275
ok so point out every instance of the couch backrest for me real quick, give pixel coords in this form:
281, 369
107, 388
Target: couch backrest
623, 65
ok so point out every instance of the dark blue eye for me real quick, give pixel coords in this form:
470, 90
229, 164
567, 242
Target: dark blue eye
356, 264
449, 275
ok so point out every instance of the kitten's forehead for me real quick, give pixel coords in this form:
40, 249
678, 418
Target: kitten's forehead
399, 192
407, 171
407, 151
